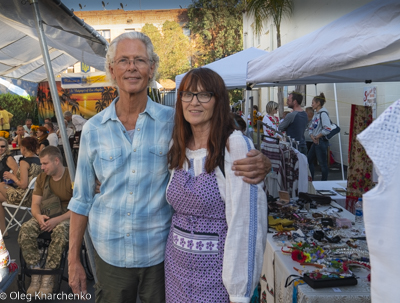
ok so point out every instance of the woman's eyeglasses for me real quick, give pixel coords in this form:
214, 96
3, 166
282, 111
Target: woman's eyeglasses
202, 97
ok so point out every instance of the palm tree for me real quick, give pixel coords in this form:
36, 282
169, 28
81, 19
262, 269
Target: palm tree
100, 105
74, 106
263, 10
115, 93
107, 94
65, 97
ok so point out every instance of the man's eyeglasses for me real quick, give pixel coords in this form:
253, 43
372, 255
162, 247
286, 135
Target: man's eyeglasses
138, 62
202, 97
2, 146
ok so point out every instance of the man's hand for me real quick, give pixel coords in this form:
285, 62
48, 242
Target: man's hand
254, 168
42, 221
77, 278
50, 224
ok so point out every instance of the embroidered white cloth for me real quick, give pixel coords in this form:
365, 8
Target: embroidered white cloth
381, 204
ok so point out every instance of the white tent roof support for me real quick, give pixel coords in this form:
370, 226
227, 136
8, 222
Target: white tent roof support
75, 40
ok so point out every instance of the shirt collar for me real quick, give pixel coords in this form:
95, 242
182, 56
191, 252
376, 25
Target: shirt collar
111, 114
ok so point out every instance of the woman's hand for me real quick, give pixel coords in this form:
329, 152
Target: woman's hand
8, 175
315, 139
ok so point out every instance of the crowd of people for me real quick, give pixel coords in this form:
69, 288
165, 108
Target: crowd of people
179, 213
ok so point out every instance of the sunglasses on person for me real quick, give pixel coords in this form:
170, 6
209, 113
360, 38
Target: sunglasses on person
2, 146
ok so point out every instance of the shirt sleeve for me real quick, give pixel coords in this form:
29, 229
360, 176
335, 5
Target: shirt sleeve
246, 216
325, 123
84, 184
287, 121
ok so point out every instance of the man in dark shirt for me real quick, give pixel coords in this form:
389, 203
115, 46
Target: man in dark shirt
295, 123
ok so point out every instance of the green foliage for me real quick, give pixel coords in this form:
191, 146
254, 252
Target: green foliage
217, 28
21, 108
235, 95
173, 48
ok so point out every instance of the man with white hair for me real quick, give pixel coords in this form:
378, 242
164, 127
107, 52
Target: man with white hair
77, 121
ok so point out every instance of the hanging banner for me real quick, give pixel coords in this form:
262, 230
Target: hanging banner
369, 96
82, 80
85, 100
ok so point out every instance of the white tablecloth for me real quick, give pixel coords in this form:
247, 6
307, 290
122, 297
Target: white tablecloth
278, 266
329, 185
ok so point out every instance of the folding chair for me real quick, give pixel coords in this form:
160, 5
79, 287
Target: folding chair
18, 207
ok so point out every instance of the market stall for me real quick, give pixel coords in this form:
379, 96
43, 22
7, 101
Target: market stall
314, 239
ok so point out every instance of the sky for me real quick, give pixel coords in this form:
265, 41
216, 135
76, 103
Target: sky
89, 5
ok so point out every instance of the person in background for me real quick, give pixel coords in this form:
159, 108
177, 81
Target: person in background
77, 121
52, 136
310, 115
240, 123
20, 134
270, 119
5, 119
53, 181
125, 147
71, 138
295, 122
7, 161
29, 168
42, 138
27, 127
320, 127
211, 201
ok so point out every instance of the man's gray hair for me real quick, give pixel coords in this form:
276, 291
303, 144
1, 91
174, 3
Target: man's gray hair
67, 114
110, 56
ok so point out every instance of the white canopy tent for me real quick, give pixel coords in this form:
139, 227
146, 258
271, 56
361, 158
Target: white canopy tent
232, 68
69, 40
363, 45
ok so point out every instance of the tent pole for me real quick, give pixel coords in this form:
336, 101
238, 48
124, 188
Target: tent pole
246, 110
337, 121
316, 94
60, 117
53, 89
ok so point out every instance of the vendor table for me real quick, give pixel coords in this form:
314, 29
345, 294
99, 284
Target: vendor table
329, 185
277, 267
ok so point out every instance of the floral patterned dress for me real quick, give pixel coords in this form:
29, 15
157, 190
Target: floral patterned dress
15, 194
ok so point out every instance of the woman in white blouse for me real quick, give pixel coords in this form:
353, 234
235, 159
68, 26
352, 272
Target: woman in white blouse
216, 242
271, 120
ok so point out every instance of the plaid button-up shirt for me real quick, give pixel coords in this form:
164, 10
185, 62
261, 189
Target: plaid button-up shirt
129, 219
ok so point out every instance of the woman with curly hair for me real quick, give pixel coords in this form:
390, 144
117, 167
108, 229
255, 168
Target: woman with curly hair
29, 168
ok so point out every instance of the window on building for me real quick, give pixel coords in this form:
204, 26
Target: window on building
106, 33
70, 69
127, 30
